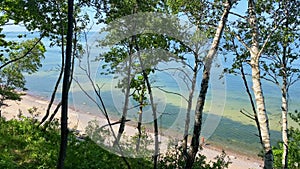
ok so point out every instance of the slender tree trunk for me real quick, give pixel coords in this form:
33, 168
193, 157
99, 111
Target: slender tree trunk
139, 127
284, 92
65, 89
204, 86
127, 94
155, 124
153, 106
189, 107
52, 96
257, 88
284, 107
61, 69
70, 83
261, 112
252, 103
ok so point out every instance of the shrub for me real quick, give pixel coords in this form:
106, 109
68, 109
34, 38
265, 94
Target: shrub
294, 146
174, 158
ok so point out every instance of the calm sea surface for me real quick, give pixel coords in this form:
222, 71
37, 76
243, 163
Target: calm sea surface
225, 126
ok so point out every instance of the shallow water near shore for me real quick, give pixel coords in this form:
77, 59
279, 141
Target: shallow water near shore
234, 131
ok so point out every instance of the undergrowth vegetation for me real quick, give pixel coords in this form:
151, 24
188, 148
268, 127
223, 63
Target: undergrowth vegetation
25, 145
294, 146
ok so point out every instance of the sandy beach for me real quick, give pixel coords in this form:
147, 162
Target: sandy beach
79, 120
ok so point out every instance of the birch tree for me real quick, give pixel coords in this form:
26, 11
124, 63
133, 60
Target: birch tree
280, 66
204, 85
209, 17
254, 31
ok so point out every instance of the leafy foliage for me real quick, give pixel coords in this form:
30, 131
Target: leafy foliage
294, 145
11, 76
103, 137
139, 86
174, 158
25, 145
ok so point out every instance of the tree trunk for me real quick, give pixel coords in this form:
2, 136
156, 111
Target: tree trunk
284, 107
261, 112
155, 124
189, 107
139, 127
257, 88
61, 69
252, 104
204, 86
284, 92
153, 107
127, 93
65, 89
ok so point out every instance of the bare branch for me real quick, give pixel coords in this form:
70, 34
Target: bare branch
247, 114
271, 80
184, 79
238, 15
176, 69
178, 94
293, 81
243, 43
117, 122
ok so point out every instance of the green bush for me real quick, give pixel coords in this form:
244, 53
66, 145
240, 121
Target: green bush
294, 146
174, 158
24, 145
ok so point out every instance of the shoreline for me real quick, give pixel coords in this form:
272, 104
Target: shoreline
80, 119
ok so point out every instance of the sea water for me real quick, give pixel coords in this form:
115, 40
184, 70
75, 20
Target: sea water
232, 129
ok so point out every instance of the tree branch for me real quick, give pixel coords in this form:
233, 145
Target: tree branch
268, 37
19, 58
238, 15
243, 43
178, 94
247, 114
117, 122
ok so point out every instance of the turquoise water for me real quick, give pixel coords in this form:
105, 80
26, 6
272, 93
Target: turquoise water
234, 131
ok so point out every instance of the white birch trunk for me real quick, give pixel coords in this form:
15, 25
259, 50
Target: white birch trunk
257, 89
284, 107
261, 111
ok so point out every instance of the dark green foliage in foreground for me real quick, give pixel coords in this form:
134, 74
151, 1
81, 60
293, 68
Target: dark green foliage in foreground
294, 146
174, 158
23, 145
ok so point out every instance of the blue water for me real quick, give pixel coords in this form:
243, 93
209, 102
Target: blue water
238, 133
